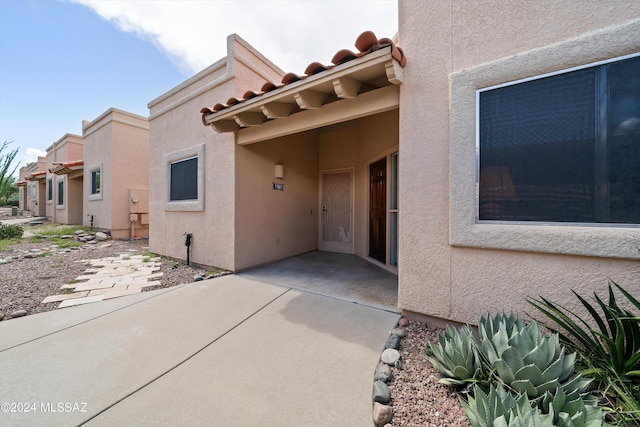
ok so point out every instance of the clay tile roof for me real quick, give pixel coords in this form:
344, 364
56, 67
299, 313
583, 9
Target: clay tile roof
291, 77
316, 67
60, 168
366, 43
20, 183
269, 86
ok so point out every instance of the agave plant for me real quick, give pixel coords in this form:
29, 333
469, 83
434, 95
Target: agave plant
456, 356
522, 357
500, 408
570, 407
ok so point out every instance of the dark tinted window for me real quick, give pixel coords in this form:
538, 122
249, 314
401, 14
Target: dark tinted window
61, 192
565, 148
184, 180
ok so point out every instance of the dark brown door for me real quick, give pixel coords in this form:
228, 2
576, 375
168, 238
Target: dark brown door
378, 210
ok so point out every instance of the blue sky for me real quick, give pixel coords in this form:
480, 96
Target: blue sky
64, 61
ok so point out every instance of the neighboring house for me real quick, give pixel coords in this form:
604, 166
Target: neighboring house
64, 180
192, 171
32, 187
494, 157
116, 174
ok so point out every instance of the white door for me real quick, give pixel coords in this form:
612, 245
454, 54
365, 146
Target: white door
336, 234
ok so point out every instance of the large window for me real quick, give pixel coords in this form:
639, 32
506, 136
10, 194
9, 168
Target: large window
184, 180
563, 148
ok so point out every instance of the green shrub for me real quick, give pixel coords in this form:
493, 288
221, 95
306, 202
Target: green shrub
608, 345
11, 231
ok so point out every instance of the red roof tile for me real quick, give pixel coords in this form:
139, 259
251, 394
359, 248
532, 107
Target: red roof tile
366, 43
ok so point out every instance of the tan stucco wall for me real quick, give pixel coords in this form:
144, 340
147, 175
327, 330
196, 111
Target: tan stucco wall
444, 37
273, 224
175, 125
118, 143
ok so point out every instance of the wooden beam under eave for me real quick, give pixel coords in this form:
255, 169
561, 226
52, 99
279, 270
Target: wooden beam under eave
394, 72
366, 104
346, 87
277, 110
249, 118
223, 126
309, 99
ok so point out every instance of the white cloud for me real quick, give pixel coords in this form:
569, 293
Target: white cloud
31, 155
291, 33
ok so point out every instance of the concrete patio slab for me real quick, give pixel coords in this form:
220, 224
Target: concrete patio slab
229, 351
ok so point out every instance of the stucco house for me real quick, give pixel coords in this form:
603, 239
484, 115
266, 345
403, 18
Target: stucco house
31, 187
116, 174
64, 180
484, 155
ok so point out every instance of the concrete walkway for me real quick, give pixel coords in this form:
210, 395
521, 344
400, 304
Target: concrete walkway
230, 351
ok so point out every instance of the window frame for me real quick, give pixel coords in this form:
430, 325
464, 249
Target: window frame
95, 196
50, 190
615, 241
60, 181
478, 153
178, 156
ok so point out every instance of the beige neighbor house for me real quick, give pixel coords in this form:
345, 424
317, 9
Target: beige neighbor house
64, 180
116, 174
494, 157
31, 187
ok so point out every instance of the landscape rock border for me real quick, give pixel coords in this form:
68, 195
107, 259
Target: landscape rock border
390, 357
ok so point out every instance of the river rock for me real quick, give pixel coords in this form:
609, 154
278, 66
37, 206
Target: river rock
393, 342
390, 356
383, 372
19, 313
381, 392
382, 414
101, 236
403, 322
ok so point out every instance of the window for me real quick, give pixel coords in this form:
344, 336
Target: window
28, 191
49, 190
61, 193
34, 191
184, 180
95, 181
563, 148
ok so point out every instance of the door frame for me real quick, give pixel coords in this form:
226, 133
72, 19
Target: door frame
352, 171
385, 154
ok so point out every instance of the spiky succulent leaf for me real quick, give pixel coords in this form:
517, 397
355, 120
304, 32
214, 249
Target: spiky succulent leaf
456, 357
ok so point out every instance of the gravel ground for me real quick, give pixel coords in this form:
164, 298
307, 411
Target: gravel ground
24, 283
417, 397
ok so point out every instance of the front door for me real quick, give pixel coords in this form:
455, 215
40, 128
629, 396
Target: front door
378, 210
336, 224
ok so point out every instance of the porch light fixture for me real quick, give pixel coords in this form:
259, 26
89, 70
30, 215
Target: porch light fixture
278, 171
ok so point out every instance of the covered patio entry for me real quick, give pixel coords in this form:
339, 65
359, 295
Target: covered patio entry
343, 276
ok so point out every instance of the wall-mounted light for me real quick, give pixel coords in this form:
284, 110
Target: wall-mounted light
278, 171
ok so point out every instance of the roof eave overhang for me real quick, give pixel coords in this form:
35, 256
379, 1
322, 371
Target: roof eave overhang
346, 84
62, 170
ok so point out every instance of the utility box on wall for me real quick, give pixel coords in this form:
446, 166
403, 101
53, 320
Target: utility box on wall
138, 201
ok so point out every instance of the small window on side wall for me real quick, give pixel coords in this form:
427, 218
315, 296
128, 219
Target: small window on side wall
185, 179
49, 190
563, 148
95, 181
60, 193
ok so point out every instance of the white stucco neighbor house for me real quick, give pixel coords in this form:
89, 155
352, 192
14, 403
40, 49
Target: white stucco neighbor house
484, 154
